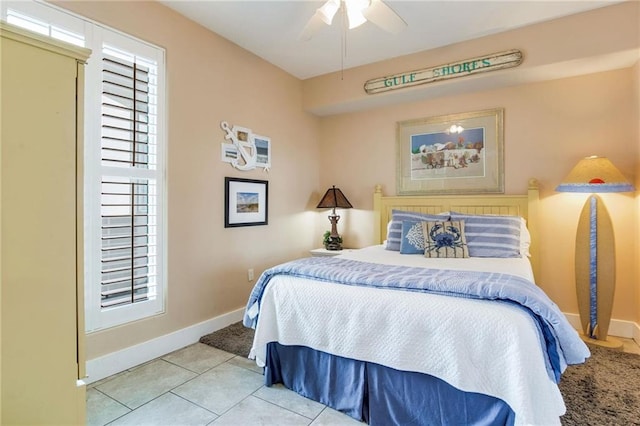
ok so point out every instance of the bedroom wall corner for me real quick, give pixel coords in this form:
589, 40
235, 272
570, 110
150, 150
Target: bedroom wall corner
599, 38
548, 127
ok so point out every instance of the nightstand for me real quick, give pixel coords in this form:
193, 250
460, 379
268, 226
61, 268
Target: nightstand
324, 252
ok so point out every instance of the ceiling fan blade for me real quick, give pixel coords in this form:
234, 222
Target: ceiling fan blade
314, 25
384, 17
323, 16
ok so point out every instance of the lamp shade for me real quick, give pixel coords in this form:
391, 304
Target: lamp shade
595, 174
334, 198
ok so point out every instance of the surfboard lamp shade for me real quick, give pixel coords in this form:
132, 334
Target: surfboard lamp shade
332, 199
595, 174
595, 246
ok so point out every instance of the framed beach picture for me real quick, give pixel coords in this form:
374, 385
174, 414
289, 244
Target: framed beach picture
246, 202
263, 149
229, 152
451, 154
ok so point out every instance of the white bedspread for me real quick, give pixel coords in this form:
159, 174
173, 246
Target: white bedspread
474, 345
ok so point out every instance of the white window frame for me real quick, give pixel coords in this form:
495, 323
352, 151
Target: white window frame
95, 36
101, 318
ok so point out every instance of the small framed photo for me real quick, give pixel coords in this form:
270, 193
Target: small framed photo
246, 202
263, 149
229, 152
242, 134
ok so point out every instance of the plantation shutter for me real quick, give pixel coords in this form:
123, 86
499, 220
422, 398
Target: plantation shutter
125, 109
128, 210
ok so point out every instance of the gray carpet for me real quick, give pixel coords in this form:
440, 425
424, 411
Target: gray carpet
603, 391
236, 339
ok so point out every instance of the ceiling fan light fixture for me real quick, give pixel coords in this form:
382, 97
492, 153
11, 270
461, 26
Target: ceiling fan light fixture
354, 12
328, 11
357, 13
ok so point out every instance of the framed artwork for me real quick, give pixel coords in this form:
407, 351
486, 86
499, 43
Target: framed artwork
245, 150
263, 149
242, 133
229, 152
451, 154
246, 202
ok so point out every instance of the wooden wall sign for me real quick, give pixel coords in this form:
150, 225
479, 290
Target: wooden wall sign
491, 62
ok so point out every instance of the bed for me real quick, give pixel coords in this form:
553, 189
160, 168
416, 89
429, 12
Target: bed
390, 336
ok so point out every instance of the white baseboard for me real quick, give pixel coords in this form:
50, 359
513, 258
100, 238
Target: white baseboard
618, 328
115, 362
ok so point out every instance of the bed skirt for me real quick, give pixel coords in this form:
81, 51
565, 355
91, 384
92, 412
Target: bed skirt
379, 395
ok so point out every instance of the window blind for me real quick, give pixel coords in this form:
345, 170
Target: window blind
128, 256
128, 209
125, 113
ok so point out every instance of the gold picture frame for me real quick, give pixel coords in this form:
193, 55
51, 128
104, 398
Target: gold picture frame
451, 154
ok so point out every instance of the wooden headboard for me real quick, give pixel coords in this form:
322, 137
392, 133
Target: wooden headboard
511, 205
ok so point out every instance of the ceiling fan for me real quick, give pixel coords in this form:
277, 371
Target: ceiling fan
357, 13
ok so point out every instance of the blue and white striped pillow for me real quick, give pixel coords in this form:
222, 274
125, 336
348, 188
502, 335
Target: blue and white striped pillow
394, 230
491, 236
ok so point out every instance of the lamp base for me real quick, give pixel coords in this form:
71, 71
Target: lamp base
609, 342
333, 244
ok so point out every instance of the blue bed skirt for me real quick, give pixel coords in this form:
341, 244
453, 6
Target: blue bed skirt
379, 395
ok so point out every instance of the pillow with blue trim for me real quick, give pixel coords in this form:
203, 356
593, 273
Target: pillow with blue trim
394, 229
445, 239
491, 235
412, 241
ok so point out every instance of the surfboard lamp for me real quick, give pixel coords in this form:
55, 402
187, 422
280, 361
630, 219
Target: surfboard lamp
334, 198
595, 246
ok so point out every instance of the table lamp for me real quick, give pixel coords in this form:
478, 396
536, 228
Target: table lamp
334, 198
595, 246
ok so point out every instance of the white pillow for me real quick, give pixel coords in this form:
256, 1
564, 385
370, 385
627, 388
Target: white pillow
525, 238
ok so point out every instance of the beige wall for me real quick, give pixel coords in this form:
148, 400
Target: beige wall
211, 80
548, 127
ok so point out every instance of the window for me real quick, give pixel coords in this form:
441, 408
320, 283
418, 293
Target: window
124, 145
45, 20
129, 181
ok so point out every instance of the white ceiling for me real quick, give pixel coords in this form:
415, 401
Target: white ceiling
271, 28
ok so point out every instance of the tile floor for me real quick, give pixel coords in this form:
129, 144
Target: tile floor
201, 385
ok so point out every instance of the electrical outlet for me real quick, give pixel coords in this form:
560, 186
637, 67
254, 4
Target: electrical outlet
250, 274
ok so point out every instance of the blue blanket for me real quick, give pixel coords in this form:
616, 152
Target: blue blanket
563, 345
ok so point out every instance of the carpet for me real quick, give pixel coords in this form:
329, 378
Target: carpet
603, 391
235, 339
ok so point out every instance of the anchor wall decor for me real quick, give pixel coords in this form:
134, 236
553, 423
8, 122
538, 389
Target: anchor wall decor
246, 150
